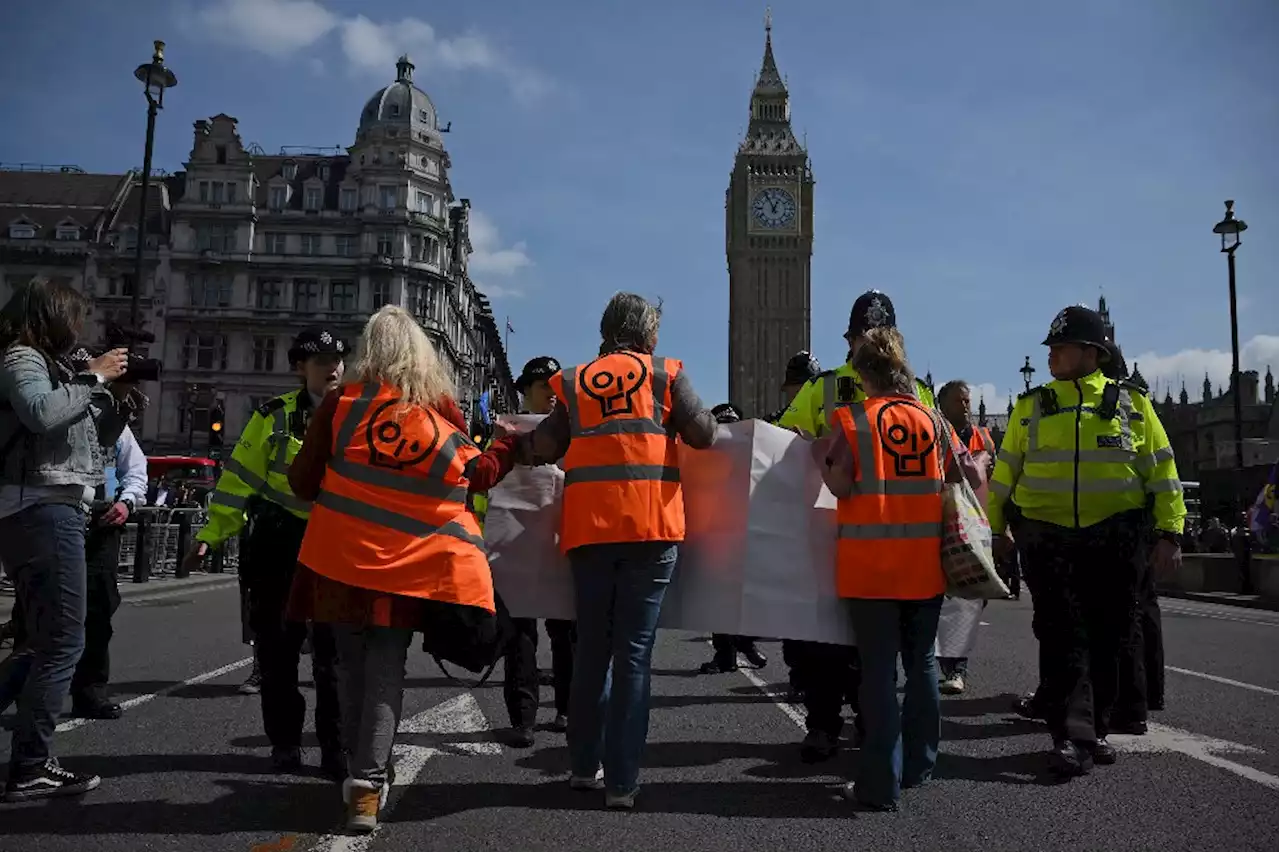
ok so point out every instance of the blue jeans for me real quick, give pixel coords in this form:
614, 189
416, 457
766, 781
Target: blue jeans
619, 590
901, 747
42, 549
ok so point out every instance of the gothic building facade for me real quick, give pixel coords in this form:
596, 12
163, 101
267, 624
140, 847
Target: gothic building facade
769, 245
250, 248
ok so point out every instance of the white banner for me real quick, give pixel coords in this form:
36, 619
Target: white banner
758, 558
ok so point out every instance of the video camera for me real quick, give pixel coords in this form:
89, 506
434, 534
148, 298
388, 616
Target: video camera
138, 369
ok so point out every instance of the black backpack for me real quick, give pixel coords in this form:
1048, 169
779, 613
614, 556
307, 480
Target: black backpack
467, 636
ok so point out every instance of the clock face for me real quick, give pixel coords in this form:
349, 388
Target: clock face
774, 207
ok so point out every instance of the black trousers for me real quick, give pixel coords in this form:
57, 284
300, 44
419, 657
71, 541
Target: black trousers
102, 599
271, 557
1142, 656
520, 686
1084, 585
729, 645
829, 676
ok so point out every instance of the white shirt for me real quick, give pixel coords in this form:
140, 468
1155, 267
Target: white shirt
130, 473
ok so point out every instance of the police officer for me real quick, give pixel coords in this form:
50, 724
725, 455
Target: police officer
829, 674
254, 488
521, 686
727, 647
1081, 461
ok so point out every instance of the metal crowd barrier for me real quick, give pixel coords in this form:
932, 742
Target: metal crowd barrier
156, 538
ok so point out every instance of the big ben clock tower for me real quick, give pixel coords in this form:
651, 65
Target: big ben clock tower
769, 244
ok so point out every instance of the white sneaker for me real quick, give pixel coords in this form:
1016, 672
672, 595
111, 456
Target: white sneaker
590, 782
953, 685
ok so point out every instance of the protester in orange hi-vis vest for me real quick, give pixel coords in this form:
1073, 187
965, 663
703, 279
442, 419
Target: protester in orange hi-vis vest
885, 467
615, 425
388, 462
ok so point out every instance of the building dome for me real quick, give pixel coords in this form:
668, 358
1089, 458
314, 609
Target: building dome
401, 105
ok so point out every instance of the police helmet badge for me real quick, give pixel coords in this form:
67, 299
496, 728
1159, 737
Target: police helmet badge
876, 315
1059, 323
326, 338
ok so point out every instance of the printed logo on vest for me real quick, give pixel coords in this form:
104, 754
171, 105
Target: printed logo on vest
907, 448
388, 444
1110, 442
613, 382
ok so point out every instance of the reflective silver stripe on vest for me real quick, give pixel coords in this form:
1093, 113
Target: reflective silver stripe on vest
1101, 456
286, 499
1086, 486
621, 472
355, 415
231, 501
877, 531
248, 477
1013, 460
394, 520
1157, 486
867, 480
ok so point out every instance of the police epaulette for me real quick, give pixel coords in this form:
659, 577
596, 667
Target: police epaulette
271, 406
1134, 387
1030, 393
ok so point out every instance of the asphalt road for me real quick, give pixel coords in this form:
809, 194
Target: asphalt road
186, 769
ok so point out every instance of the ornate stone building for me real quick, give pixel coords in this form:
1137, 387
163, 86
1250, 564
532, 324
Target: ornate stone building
769, 245
251, 248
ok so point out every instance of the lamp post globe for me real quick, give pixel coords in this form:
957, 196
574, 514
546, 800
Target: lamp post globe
1027, 372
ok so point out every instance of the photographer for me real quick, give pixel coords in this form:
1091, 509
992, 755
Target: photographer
54, 422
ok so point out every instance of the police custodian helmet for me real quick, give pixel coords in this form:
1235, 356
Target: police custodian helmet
316, 341
1077, 324
538, 369
801, 368
872, 309
726, 412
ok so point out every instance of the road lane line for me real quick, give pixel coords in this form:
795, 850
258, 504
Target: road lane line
198, 588
1225, 680
460, 715
778, 698
1217, 616
72, 724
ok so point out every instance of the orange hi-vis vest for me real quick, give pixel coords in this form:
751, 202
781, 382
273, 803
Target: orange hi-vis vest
890, 528
392, 511
621, 473
980, 441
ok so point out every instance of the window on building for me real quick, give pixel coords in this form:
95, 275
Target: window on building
220, 237
264, 354
270, 293
384, 243
210, 291
22, 231
273, 243
314, 198
387, 197
395, 110
347, 200
68, 232
342, 296
415, 246
431, 251
279, 195
290, 170
324, 172
311, 244
231, 193
220, 155
381, 292
345, 245
204, 352
121, 286
412, 303
204, 190
423, 116
219, 193
306, 295
426, 203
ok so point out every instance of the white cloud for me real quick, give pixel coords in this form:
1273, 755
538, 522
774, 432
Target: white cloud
275, 27
280, 28
491, 258
1166, 373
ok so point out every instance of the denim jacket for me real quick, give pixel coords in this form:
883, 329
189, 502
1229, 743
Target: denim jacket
54, 424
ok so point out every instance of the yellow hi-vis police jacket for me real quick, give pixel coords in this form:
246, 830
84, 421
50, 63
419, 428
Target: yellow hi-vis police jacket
813, 409
1065, 462
258, 467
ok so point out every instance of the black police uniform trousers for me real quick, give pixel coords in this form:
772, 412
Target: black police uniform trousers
727, 645
273, 544
829, 676
520, 687
1084, 585
102, 599
1142, 657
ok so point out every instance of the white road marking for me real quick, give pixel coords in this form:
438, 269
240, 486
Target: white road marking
778, 698
460, 715
72, 724
1266, 690
1220, 616
194, 589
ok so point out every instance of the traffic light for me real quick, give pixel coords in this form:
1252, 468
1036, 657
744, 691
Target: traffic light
217, 422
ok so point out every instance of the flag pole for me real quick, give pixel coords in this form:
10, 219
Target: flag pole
506, 342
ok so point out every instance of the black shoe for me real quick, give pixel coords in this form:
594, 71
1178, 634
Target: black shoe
1069, 760
286, 759
96, 710
333, 765
1133, 727
1104, 754
1027, 708
522, 737
755, 656
818, 746
46, 781
720, 664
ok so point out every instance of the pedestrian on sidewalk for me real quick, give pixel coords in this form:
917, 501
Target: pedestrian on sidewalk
55, 419
388, 462
254, 490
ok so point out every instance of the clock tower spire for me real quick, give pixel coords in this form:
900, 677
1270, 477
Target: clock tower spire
768, 244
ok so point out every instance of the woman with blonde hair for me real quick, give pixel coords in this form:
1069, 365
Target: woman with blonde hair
886, 465
388, 462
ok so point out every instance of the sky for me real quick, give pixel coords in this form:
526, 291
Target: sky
985, 164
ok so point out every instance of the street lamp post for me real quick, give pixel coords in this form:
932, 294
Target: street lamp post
1230, 229
155, 78
1027, 372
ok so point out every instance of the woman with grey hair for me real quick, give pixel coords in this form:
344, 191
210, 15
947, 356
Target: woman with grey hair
615, 426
